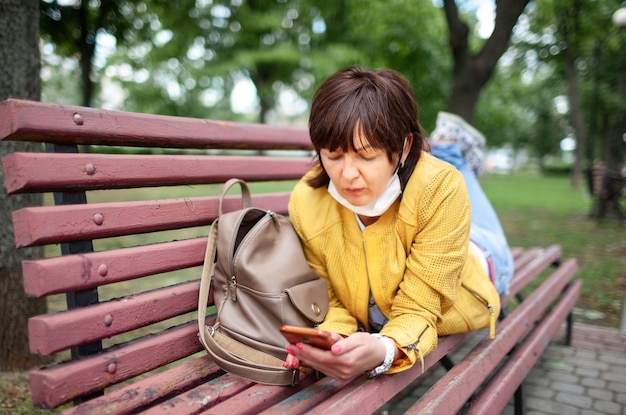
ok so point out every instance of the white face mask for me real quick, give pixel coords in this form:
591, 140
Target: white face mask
378, 206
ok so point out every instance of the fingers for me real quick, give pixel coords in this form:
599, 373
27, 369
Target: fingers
348, 357
291, 362
333, 363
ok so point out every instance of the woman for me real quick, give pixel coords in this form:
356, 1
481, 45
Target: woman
388, 226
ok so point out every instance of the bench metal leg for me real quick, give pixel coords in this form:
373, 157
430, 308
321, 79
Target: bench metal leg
518, 400
569, 330
86, 297
504, 312
447, 362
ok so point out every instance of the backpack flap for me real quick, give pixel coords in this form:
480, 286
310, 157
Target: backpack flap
311, 299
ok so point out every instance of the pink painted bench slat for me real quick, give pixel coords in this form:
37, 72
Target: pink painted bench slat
83, 271
54, 224
65, 124
55, 385
35, 172
132, 234
55, 332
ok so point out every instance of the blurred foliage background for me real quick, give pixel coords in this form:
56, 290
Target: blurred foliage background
560, 70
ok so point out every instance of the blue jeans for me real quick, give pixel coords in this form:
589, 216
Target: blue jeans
485, 228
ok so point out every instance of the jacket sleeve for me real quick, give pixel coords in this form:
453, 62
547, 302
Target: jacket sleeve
338, 319
439, 224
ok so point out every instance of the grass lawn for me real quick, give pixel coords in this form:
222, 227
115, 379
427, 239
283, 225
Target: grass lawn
543, 211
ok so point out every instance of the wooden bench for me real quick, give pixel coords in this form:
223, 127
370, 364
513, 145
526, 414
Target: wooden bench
130, 260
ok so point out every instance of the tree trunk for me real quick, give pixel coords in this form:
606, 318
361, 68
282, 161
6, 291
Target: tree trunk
569, 33
578, 120
19, 78
86, 46
471, 72
614, 128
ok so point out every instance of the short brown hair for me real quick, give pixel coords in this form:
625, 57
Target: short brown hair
379, 102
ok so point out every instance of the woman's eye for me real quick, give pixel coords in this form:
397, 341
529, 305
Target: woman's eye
333, 156
368, 155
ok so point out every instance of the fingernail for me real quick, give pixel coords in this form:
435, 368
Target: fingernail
299, 346
290, 351
336, 349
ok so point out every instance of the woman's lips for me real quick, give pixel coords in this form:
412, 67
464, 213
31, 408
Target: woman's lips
353, 191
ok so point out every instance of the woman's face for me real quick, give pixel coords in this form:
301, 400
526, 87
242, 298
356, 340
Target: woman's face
361, 176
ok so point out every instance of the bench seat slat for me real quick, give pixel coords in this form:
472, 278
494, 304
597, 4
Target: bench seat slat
516, 251
203, 396
324, 399
22, 120
540, 261
56, 385
457, 385
495, 396
130, 398
50, 333
62, 172
55, 224
83, 271
526, 256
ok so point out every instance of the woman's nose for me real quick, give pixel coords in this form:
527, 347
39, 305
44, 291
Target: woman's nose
350, 170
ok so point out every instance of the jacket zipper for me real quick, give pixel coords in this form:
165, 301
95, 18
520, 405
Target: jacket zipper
413, 346
492, 313
369, 282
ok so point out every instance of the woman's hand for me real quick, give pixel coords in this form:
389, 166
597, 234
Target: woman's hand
348, 357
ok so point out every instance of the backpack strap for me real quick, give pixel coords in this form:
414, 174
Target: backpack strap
231, 355
246, 199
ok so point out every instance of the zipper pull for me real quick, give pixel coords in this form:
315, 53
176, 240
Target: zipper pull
415, 347
274, 218
492, 322
233, 291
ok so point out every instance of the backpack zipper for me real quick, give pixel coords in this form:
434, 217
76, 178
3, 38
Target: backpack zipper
233, 279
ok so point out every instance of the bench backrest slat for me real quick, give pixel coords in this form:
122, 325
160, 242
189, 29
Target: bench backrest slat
58, 384
56, 224
51, 333
83, 271
45, 172
64, 124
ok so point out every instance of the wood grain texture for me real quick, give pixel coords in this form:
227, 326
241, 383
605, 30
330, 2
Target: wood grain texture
62, 172
22, 120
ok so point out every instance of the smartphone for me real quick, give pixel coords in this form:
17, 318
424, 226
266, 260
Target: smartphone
314, 337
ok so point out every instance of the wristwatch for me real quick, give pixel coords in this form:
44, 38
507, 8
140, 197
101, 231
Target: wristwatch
390, 351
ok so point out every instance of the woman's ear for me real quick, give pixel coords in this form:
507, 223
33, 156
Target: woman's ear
408, 142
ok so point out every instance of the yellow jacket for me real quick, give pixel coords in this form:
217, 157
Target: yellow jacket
414, 260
